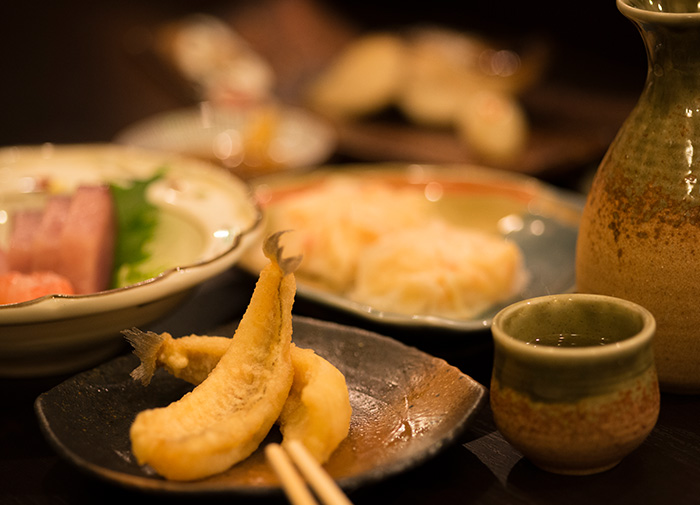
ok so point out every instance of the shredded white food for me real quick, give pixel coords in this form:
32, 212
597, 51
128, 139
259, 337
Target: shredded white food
337, 221
438, 270
385, 246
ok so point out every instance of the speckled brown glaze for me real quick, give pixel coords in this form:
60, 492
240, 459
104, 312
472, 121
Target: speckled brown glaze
640, 231
584, 437
574, 405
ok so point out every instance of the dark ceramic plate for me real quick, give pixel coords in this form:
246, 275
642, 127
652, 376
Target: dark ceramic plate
407, 406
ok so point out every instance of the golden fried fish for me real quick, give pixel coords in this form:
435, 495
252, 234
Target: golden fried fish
225, 417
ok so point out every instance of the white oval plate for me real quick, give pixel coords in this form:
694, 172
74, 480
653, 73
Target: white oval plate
542, 220
301, 140
208, 219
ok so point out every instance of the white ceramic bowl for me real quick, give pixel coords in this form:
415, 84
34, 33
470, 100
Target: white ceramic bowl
301, 139
208, 219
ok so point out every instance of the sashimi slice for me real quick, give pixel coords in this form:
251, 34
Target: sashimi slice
47, 241
18, 287
20, 253
4, 267
87, 243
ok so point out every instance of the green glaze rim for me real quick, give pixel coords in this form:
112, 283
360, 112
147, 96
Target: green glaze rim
642, 11
574, 354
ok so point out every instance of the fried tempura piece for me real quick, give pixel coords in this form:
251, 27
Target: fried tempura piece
363, 79
494, 124
189, 358
317, 411
224, 419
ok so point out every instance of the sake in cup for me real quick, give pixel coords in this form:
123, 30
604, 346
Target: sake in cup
574, 386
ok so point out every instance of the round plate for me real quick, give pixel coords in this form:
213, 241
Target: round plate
541, 219
300, 140
208, 219
407, 406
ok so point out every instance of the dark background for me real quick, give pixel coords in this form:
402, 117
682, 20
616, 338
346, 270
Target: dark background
66, 75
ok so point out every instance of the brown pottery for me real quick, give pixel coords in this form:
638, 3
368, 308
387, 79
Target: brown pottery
640, 231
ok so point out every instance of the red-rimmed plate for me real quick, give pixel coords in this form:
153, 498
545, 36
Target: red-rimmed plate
541, 219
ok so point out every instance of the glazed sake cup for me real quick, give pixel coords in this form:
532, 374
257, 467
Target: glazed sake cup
574, 386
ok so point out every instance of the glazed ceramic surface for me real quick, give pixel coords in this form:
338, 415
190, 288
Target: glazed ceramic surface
640, 229
406, 407
574, 386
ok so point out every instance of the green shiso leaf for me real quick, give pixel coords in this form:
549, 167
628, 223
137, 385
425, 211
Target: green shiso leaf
137, 220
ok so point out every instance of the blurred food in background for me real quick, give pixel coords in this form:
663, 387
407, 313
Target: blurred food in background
555, 125
437, 78
236, 118
102, 80
419, 92
219, 64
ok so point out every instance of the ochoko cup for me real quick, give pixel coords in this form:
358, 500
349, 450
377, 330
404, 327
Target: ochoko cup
574, 387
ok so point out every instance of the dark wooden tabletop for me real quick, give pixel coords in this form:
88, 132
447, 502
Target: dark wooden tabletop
480, 468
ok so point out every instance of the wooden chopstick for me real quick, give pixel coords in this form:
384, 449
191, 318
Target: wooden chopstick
292, 482
283, 463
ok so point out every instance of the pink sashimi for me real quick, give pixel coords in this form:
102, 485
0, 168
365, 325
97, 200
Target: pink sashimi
4, 266
47, 241
20, 253
86, 252
72, 236
18, 287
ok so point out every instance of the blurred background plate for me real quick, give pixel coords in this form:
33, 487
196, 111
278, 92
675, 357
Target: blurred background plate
248, 141
208, 219
586, 86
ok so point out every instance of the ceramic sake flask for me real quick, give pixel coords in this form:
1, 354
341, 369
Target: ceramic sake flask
639, 237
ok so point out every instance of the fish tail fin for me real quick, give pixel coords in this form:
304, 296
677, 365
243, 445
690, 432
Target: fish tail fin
147, 345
